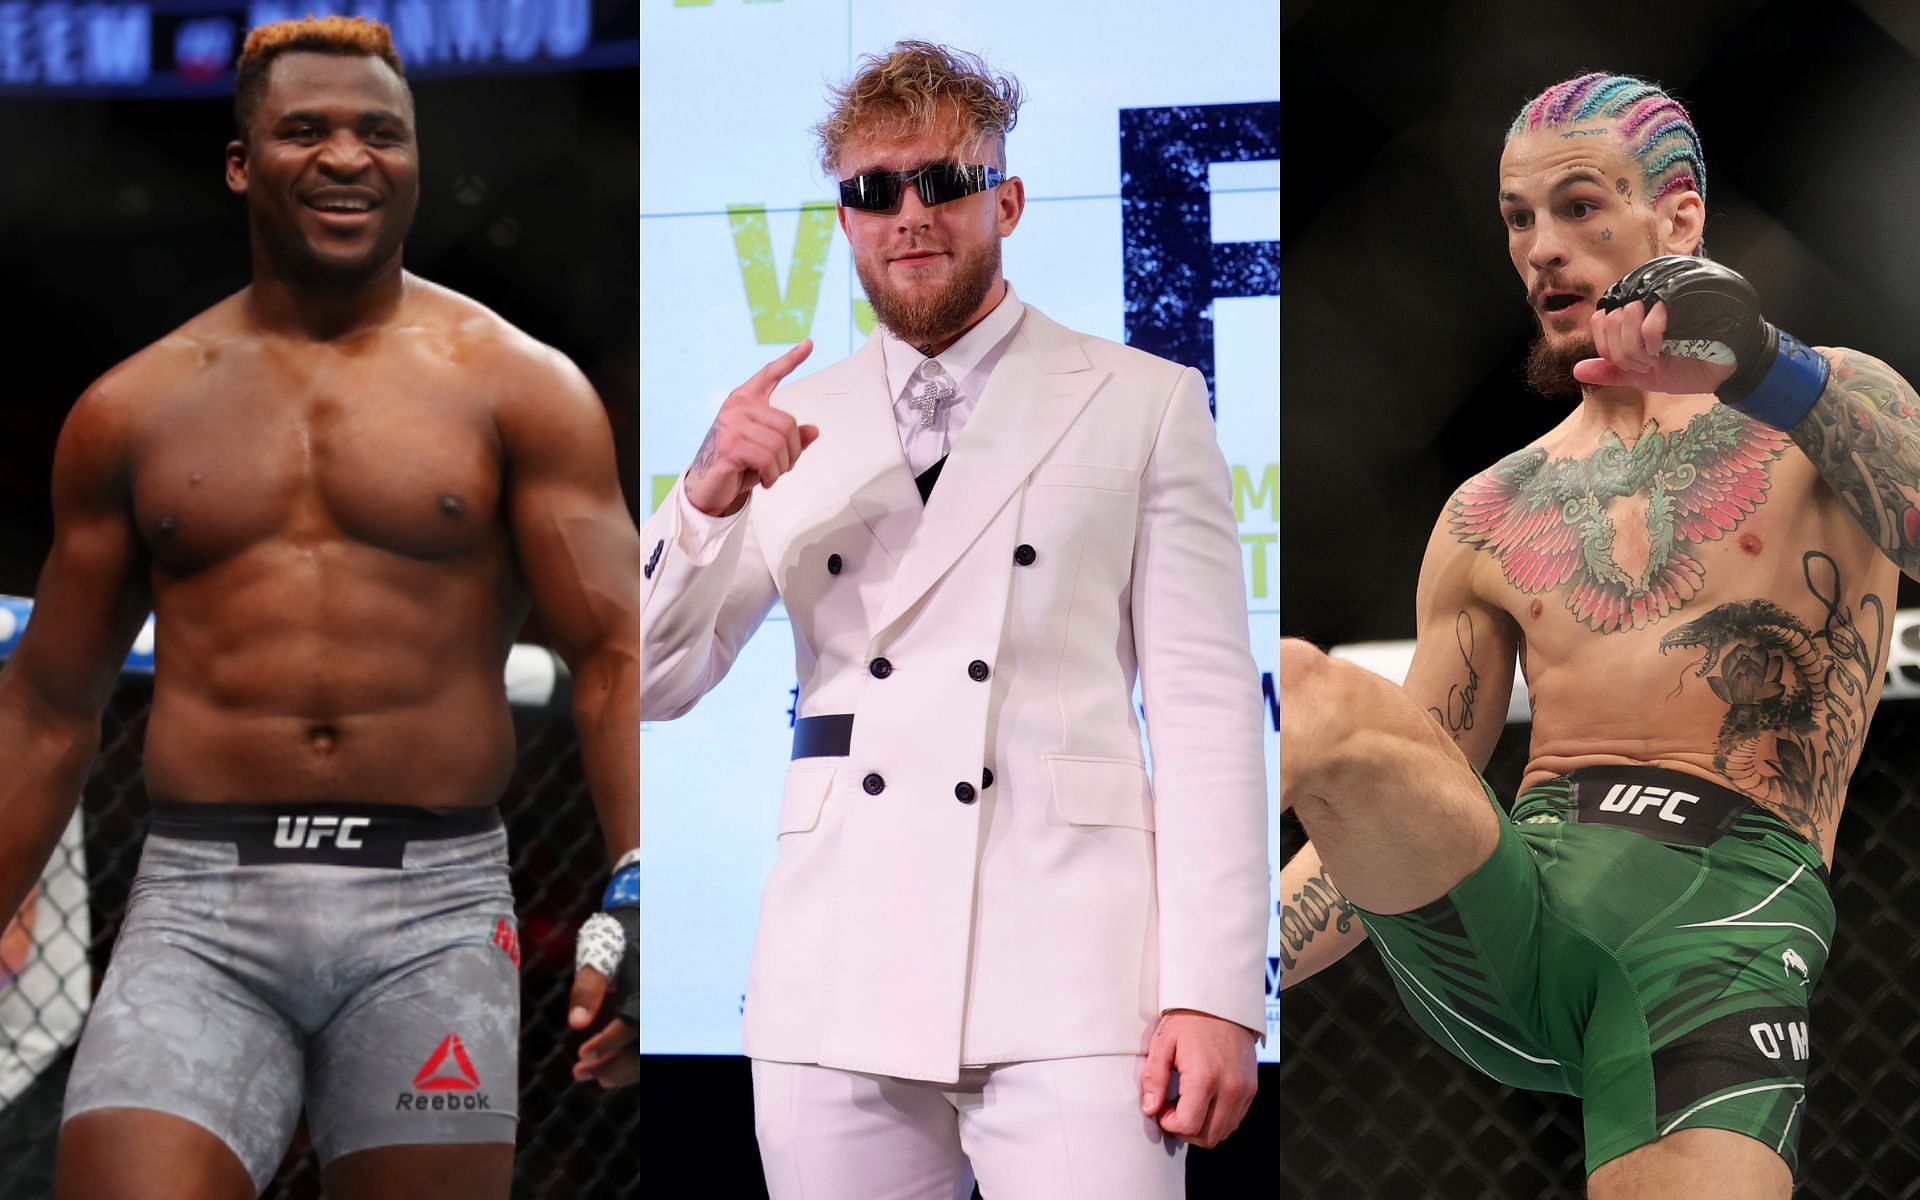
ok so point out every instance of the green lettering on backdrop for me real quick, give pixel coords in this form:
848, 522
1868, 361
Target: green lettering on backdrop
863, 318
662, 484
1247, 496
781, 317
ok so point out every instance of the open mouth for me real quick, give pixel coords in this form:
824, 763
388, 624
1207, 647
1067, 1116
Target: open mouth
1558, 302
343, 203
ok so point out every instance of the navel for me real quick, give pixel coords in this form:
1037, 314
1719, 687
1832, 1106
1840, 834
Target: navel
323, 738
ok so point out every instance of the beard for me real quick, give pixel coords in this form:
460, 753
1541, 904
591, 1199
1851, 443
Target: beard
1550, 365
919, 321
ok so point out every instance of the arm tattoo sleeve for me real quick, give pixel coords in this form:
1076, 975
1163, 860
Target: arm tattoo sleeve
1310, 911
1863, 435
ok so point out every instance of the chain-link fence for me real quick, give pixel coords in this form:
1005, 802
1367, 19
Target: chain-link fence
576, 1141
1371, 1107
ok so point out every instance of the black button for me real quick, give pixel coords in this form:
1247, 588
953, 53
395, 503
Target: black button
874, 784
833, 564
1023, 554
880, 668
977, 671
988, 781
963, 792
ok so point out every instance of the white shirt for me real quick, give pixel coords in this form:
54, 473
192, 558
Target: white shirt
964, 367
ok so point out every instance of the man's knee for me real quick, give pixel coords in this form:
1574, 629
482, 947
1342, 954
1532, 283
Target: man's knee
1336, 719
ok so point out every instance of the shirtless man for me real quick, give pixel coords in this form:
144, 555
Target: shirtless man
1695, 568
339, 490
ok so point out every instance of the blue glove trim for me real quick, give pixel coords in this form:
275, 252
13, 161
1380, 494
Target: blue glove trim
623, 888
1791, 386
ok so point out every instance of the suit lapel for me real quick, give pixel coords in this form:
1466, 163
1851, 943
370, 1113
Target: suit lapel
883, 490
1037, 390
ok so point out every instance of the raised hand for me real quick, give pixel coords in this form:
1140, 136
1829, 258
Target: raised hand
750, 442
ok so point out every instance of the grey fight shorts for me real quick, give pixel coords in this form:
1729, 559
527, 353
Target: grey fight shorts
359, 961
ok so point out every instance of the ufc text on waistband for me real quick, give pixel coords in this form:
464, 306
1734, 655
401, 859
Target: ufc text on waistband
1667, 806
344, 835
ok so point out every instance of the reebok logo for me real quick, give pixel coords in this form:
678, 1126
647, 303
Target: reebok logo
447, 1069
1634, 799
294, 833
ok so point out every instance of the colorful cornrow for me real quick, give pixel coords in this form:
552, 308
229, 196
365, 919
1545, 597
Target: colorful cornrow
1656, 129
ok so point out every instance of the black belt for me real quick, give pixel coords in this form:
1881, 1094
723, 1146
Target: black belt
1667, 806
340, 834
823, 737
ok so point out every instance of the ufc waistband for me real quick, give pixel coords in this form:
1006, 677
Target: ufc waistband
1667, 806
342, 835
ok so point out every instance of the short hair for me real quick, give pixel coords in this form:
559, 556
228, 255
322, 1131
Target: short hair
908, 88
316, 35
1657, 131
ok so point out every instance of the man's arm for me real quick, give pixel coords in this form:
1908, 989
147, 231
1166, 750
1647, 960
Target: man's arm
89, 605
1198, 682
1462, 674
580, 554
1863, 434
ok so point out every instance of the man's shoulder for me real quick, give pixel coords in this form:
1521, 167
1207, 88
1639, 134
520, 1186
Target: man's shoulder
159, 369
1046, 334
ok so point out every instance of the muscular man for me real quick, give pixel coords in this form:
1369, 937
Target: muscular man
1696, 568
339, 490
988, 941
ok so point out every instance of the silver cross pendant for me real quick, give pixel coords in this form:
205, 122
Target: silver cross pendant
933, 393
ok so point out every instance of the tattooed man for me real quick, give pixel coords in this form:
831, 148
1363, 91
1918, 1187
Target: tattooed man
1695, 568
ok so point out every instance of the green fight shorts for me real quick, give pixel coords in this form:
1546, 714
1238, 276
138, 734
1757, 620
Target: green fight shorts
1640, 938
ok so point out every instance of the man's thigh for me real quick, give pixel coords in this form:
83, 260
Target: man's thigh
482, 1171
1394, 809
1068, 1129
825, 1132
1700, 1164
144, 1154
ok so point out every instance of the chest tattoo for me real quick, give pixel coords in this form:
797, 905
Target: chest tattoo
1551, 523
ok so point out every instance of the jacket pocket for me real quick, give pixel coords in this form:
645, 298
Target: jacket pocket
1101, 791
804, 796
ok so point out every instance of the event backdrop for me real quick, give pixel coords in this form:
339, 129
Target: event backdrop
1150, 150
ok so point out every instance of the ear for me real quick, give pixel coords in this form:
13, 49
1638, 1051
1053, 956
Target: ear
237, 167
1010, 200
840, 214
1682, 218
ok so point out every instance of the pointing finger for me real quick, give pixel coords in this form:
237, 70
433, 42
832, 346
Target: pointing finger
768, 377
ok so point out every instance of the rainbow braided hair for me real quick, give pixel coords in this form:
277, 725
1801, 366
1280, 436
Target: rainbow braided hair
1656, 130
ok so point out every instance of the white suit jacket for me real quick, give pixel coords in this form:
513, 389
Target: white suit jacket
1081, 532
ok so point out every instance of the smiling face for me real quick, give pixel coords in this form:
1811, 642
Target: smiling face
1577, 217
929, 272
329, 166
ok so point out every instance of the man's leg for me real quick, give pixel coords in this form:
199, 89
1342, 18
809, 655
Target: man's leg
141, 1154
482, 1171
1067, 1129
1395, 811
1700, 1164
829, 1133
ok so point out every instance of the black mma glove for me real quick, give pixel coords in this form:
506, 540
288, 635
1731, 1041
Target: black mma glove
1714, 315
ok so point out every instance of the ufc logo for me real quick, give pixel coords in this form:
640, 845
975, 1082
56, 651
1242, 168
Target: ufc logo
1635, 799
294, 833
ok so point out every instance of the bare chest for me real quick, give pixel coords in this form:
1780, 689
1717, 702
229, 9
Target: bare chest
388, 451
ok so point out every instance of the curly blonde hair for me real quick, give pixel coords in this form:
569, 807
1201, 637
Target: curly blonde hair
906, 90
318, 35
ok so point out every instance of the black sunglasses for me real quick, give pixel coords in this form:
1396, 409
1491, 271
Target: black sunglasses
936, 183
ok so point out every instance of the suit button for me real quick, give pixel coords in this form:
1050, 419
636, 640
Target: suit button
977, 671
880, 668
963, 792
833, 564
874, 784
1023, 554
988, 781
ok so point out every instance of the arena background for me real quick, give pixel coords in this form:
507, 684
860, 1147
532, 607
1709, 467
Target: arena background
115, 226
1149, 148
1401, 376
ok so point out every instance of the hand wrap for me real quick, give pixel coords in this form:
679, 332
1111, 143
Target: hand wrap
609, 941
1714, 315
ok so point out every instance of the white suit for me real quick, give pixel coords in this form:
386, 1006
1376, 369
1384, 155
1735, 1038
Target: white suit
919, 920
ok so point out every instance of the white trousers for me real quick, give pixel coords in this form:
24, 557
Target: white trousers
1053, 1129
